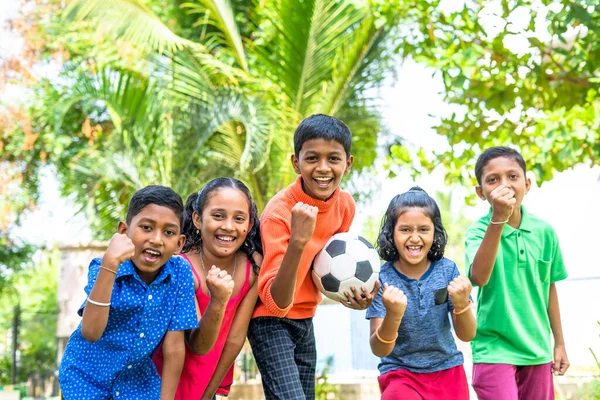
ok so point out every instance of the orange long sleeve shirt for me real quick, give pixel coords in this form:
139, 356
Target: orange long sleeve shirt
335, 215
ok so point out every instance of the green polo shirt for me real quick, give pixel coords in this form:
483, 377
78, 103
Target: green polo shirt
513, 326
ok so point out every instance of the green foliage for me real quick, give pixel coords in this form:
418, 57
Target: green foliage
517, 73
35, 291
593, 390
323, 389
179, 93
456, 225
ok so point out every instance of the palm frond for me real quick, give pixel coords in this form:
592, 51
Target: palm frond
129, 19
220, 14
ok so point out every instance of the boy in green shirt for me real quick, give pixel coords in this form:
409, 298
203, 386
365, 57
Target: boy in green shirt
515, 259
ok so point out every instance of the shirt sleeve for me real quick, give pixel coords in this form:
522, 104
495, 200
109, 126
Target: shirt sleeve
558, 270
376, 309
93, 271
473, 239
275, 236
184, 314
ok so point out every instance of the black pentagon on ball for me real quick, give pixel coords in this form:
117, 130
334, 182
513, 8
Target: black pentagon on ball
336, 248
366, 242
363, 270
330, 283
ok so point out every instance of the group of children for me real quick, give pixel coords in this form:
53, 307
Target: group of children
179, 289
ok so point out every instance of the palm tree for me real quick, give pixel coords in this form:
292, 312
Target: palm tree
220, 90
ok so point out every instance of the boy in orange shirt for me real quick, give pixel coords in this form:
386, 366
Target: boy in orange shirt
295, 226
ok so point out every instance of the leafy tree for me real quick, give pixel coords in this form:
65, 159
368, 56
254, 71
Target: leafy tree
34, 289
178, 93
516, 72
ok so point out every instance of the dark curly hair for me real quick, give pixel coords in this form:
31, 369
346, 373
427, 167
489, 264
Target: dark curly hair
196, 203
414, 198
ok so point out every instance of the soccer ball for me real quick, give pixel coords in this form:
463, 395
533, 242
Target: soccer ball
346, 260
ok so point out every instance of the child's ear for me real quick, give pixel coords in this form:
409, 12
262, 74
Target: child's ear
295, 164
196, 220
527, 185
180, 244
122, 228
479, 192
349, 162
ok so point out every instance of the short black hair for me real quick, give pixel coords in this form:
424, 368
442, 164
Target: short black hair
320, 126
155, 194
414, 198
495, 152
196, 202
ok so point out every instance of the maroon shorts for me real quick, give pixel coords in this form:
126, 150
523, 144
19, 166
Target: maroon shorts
449, 384
510, 382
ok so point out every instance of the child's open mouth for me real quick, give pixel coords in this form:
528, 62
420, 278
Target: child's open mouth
323, 182
414, 250
225, 239
151, 256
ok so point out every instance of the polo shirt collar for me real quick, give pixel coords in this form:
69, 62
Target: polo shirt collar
525, 223
128, 269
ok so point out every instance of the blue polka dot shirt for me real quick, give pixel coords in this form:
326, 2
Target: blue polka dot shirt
119, 364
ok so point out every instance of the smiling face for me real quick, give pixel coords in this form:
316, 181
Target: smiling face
413, 237
224, 223
503, 171
322, 164
155, 233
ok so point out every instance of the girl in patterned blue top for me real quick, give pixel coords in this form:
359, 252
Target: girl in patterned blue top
138, 293
410, 328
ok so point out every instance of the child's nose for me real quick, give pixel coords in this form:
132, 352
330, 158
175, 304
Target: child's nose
323, 165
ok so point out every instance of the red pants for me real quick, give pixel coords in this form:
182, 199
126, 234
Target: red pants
449, 384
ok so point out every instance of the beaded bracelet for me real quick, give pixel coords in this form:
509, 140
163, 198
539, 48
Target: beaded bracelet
383, 340
97, 303
463, 310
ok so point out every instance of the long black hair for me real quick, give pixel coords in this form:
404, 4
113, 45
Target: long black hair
414, 198
196, 203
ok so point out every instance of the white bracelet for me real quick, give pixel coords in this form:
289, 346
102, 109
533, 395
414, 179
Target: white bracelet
97, 303
499, 222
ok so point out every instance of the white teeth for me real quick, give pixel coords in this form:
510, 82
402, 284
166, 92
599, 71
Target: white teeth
153, 252
226, 238
323, 179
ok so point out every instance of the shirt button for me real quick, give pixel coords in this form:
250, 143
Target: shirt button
142, 334
522, 251
116, 393
129, 367
149, 297
518, 234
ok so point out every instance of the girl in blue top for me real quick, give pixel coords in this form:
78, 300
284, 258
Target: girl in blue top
410, 328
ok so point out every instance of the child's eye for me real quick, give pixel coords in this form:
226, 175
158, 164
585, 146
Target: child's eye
146, 227
240, 219
514, 176
335, 159
218, 216
491, 180
169, 233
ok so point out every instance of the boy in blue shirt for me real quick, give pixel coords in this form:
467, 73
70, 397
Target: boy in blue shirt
138, 293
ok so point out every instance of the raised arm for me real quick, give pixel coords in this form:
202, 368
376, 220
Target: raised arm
463, 319
235, 341
502, 200
97, 306
384, 331
220, 285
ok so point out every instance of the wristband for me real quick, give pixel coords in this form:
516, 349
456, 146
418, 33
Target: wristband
463, 310
97, 303
498, 222
108, 269
383, 340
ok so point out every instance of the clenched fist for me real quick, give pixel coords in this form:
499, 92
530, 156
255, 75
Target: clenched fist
304, 218
120, 249
458, 291
394, 300
503, 202
220, 284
